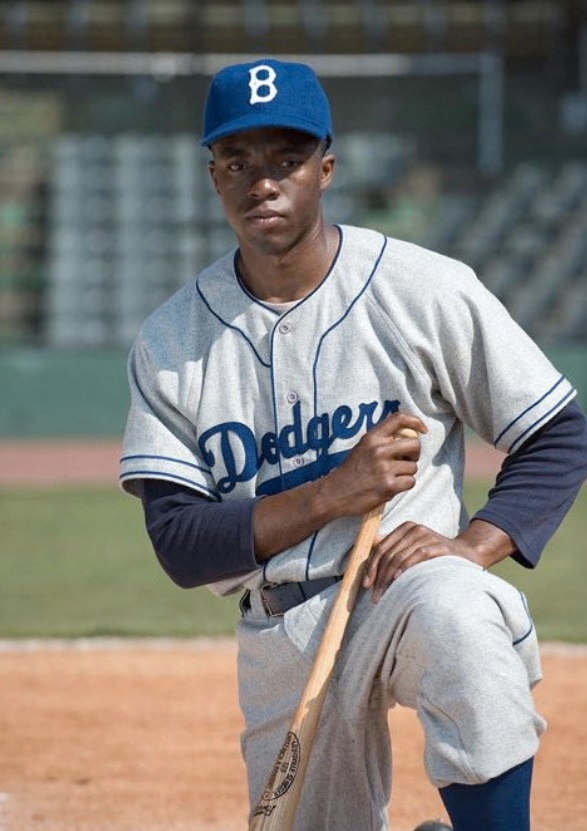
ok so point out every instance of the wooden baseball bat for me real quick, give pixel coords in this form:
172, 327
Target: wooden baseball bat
277, 807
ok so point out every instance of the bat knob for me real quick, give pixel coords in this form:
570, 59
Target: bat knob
406, 433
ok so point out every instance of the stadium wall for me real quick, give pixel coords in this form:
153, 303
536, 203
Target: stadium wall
58, 394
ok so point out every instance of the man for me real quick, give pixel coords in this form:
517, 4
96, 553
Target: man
265, 395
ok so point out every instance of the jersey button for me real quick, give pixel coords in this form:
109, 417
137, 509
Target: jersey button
298, 461
292, 397
285, 328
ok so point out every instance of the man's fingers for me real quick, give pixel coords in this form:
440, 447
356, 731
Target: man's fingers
384, 547
392, 569
370, 572
392, 555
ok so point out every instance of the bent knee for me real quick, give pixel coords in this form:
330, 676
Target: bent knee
456, 604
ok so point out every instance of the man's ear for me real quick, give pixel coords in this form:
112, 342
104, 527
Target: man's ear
327, 172
212, 172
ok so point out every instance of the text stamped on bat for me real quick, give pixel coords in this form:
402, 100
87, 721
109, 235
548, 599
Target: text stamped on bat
284, 771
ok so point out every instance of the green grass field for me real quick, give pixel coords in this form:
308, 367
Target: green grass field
78, 563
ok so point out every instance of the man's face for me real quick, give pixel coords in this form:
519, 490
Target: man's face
270, 181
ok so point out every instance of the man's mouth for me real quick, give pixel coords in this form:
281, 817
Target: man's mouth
264, 217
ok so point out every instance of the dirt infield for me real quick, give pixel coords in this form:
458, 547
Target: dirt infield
144, 737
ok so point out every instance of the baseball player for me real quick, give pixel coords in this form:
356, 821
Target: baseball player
265, 394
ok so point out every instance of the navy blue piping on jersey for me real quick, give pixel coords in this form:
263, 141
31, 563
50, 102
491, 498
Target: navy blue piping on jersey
558, 406
274, 396
271, 351
160, 476
166, 459
303, 299
533, 426
231, 326
245, 290
310, 552
342, 317
317, 356
240, 331
139, 473
530, 623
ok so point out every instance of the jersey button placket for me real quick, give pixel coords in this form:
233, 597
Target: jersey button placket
290, 397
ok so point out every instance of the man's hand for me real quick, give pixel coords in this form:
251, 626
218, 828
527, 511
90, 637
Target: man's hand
409, 543
375, 470
380, 466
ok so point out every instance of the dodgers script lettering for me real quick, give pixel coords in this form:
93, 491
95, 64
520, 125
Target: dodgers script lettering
232, 452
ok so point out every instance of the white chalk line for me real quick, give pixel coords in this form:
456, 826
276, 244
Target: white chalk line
576, 650
4, 797
115, 644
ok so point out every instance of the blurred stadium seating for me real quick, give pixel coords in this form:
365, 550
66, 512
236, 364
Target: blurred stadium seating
106, 208
133, 217
126, 229
284, 25
527, 239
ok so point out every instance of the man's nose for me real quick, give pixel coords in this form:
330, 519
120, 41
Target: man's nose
264, 183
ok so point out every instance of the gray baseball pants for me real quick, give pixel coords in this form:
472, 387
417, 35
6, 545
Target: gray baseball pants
452, 641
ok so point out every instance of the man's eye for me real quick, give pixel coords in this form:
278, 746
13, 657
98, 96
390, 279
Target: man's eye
235, 166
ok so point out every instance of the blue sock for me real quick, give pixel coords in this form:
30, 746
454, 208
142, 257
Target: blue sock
502, 804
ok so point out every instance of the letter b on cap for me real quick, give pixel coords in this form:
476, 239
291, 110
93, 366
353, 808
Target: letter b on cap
261, 84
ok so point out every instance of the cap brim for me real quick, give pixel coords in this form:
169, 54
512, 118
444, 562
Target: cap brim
249, 122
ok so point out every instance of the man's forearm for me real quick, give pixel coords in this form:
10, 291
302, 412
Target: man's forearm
286, 519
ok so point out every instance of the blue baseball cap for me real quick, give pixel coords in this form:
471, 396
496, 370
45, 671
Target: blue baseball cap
266, 93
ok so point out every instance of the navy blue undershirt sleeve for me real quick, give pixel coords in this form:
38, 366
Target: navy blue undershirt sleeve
538, 484
198, 541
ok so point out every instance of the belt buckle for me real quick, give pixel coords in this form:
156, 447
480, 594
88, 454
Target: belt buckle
265, 600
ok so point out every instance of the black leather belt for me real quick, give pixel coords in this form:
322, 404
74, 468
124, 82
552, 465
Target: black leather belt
278, 598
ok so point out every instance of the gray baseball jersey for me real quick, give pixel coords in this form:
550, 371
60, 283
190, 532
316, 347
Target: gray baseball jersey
234, 399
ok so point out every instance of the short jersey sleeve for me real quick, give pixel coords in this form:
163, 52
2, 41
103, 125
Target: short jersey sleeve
160, 442
502, 383
470, 354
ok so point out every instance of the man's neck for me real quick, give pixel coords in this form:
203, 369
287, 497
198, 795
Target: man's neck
292, 275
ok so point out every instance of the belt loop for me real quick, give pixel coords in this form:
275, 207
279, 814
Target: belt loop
244, 603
